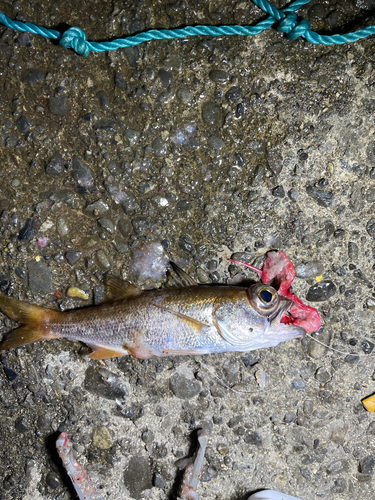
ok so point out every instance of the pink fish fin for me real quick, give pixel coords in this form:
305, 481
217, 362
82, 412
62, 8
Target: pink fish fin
197, 325
117, 288
176, 277
100, 352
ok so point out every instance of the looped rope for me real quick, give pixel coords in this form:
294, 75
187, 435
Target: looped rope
75, 38
286, 20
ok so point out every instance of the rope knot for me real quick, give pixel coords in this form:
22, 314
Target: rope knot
75, 38
291, 27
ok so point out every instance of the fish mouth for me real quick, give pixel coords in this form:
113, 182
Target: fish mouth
285, 324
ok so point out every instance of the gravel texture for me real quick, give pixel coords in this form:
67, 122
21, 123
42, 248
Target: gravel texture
207, 149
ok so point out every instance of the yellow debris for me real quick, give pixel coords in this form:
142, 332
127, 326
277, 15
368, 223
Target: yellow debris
318, 278
369, 403
73, 291
37, 258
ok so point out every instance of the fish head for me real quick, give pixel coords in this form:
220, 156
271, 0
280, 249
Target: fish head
267, 303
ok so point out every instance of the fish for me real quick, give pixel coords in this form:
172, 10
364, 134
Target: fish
184, 319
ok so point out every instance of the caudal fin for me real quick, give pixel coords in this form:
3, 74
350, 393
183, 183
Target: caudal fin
34, 322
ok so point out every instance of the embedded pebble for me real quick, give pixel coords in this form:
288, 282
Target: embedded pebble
59, 105
103, 259
125, 227
28, 231
183, 387
138, 476
81, 173
367, 465
40, 278
317, 350
53, 480
322, 375
55, 165
278, 192
98, 208
353, 251
253, 438
218, 76
44, 422
102, 438
103, 383
212, 114
323, 198
370, 227
107, 224
215, 143
23, 124
322, 291
183, 95
159, 147
72, 257
310, 269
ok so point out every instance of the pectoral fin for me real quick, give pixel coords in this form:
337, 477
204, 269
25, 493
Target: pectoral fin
198, 326
117, 288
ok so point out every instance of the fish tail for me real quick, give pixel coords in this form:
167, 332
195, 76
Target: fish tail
34, 322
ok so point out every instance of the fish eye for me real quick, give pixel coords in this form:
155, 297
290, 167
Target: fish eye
263, 298
266, 296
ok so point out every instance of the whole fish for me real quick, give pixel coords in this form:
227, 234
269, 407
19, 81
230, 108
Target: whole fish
187, 319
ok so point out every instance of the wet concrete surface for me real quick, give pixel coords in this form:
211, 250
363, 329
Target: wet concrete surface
209, 147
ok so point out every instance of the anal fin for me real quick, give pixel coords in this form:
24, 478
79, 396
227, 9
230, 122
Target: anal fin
101, 352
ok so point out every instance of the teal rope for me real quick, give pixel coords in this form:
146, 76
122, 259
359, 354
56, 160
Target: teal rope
286, 19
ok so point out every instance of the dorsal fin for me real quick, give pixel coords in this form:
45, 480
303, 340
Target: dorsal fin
117, 288
179, 278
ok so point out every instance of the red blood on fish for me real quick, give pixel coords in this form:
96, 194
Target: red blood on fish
278, 267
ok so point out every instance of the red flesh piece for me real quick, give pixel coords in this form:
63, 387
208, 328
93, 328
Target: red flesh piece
278, 267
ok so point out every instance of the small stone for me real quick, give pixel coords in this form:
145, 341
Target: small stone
293, 194
137, 476
322, 291
62, 227
367, 346
103, 260
298, 384
56, 164
233, 93
98, 208
147, 437
103, 100
202, 276
141, 224
81, 173
23, 124
278, 192
316, 350
337, 466
59, 105
107, 224
125, 227
183, 387
338, 433
183, 205
323, 198
183, 95
52, 480
208, 474
158, 481
370, 227
212, 114
105, 124
322, 375
256, 178
353, 251
132, 136
72, 257
120, 245
119, 80
274, 159
32, 76
309, 269
11, 375
253, 437
73, 291
308, 407
28, 231
6, 283
222, 449
218, 76
306, 473
44, 422
102, 438
40, 278
215, 143
20, 425
352, 359
159, 147
166, 78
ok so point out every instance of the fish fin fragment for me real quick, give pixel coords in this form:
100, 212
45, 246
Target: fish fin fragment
178, 277
194, 323
100, 352
184, 352
26, 334
34, 319
117, 288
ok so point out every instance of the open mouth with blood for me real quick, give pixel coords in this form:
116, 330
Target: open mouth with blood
279, 272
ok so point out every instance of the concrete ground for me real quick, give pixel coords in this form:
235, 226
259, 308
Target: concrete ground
209, 147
